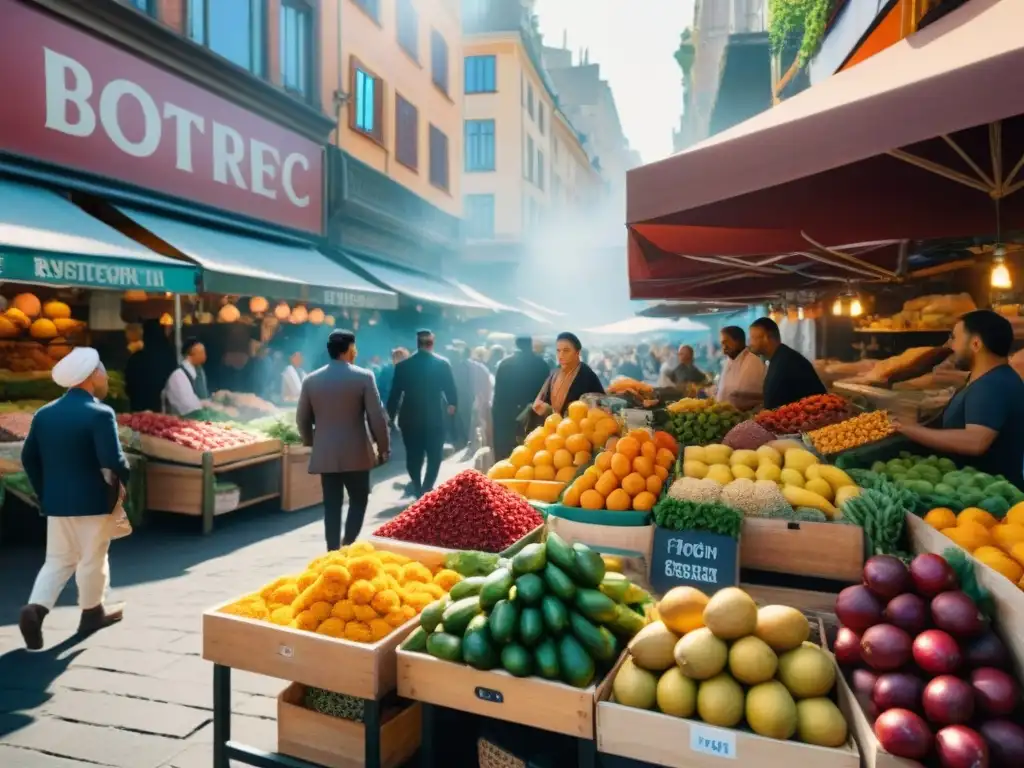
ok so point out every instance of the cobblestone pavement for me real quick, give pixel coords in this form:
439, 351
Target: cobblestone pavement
138, 694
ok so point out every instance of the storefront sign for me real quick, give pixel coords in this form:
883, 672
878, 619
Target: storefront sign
707, 561
97, 273
356, 299
79, 102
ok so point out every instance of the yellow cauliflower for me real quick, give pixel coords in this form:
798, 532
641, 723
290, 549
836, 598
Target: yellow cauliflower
343, 610
306, 579
282, 616
360, 548
321, 610
358, 632
385, 601
361, 592
337, 573
413, 586
364, 613
419, 600
332, 627
366, 567
268, 590
305, 621
332, 592
284, 594
248, 608
394, 570
416, 572
446, 579
393, 558
379, 629
398, 618
306, 598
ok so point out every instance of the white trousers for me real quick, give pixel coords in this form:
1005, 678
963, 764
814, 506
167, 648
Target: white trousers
79, 546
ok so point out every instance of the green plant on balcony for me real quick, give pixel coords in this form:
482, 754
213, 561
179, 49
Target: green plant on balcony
803, 22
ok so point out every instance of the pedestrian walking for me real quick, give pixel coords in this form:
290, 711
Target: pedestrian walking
341, 416
422, 388
518, 379
71, 449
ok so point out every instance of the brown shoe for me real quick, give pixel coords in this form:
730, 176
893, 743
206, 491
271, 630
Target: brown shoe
100, 617
30, 622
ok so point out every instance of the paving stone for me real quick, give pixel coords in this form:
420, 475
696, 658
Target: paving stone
255, 706
122, 712
172, 691
28, 758
97, 744
188, 644
124, 660
132, 636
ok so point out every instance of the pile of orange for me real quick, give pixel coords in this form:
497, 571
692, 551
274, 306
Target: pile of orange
999, 544
629, 474
557, 449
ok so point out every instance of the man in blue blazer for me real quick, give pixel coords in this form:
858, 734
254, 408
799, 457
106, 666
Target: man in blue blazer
71, 447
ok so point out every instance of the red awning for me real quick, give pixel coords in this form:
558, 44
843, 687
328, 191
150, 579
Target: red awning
824, 170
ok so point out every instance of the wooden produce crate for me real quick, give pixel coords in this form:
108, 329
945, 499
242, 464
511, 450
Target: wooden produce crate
530, 701
299, 489
434, 556
165, 450
863, 731
821, 550
629, 540
334, 742
364, 670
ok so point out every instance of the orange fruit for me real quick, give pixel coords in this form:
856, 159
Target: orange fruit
535, 440
502, 470
621, 465
664, 458
607, 424
565, 474
542, 458
591, 500
587, 426
552, 422
567, 428
521, 456
597, 414
576, 443
628, 447
655, 484
640, 435
661, 472
940, 518
578, 411
553, 443
525, 473
633, 484
666, 441
649, 450
604, 460
581, 458
586, 481
1017, 553
644, 466
611, 442
544, 472
571, 497
618, 501
562, 459
607, 483
999, 561
644, 501
977, 515
1016, 514
1007, 536
969, 535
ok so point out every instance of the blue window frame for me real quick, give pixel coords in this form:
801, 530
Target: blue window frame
295, 56
367, 102
479, 141
235, 29
370, 7
479, 213
438, 158
481, 74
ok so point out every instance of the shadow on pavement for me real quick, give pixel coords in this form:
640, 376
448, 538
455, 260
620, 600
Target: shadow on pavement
26, 679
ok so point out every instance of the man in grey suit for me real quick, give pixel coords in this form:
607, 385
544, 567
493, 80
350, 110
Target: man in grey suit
336, 404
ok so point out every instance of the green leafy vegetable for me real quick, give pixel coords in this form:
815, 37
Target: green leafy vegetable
679, 515
965, 571
472, 563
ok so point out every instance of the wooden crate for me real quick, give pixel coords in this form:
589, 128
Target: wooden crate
629, 540
165, 450
529, 701
821, 550
178, 489
365, 670
863, 732
299, 489
337, 743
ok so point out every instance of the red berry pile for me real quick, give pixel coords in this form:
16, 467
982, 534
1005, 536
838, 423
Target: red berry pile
198, 435
467, 512
805, 415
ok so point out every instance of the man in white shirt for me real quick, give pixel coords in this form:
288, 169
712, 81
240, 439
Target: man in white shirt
742, 382
186, 387
292, 378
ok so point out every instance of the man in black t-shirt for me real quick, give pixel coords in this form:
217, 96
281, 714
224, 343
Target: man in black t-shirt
983, 425
790, 375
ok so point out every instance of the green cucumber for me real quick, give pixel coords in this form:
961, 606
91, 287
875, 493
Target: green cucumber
516, 660
588, 634
530, 588
545, 658
477, 650
430, 616
457, 616
495, 588
558, 583
556, 617
627, 622
589, 567
560, 553
575, 664
467, 588
416, 641
596, 605
530, 559
504, 621
479, 623
531, 627
443, 646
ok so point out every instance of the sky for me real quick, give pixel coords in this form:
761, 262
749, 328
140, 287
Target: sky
634, 42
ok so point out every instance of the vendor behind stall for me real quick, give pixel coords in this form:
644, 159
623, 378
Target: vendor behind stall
984, 423
186, 387
742, 382
292, 378
790, 376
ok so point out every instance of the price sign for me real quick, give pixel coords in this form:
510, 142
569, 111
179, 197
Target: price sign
707, 561
716, 742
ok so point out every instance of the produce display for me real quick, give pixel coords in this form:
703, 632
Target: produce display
467, 512
937, 312
727, 662
247, 406
999, 544
639, 391
552, 611
197, 435
628, 475
694, 421
334, 704
805, 415
712, 516
852, 433
356, 593
14, 426
927, 667
747, 435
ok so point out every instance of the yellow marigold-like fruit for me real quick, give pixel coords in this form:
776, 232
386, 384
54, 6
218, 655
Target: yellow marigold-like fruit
332, 627
360, 548
344, 610
321, 610
419, 600
305, 621
385, 601
282, 616
397, 618
434, 591
364, 613
416, 572
306, 598
382, 582
318, 564
367, 567
284, 594
306, 579
393, 558
446, 579
414, 586
268, 590
361, 592
393, 583
358, 632
332, 593
248, 609
379, 629
408, 611
394, 570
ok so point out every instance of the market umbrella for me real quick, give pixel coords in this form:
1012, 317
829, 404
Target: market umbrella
914, 143
640, 326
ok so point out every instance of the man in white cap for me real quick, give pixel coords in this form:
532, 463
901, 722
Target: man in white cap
71, 445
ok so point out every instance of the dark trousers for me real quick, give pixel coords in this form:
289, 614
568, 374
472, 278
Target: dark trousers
419, 446
335, 484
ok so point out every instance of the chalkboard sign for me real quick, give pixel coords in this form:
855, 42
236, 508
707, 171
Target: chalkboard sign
707, 561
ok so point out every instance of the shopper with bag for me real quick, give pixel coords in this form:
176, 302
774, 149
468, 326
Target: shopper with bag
72, 442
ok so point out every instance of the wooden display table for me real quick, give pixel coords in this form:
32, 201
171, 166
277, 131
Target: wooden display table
299, 489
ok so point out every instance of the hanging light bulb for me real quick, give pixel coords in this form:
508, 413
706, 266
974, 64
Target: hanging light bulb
799, 313
329, 321
1000, 277
166, 319
258, 305
282, 311
228, 314
855, 308
316, 316
299, 315
837, 307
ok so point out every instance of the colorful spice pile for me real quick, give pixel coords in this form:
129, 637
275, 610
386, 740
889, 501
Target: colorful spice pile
805, 415
467, 512
852, 433
357, 593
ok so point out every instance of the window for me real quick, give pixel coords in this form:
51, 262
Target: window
540, 117
481, 74
232, 28
479, 216
367, 107
409, 28
146, 6
439, 60
479, 141
529, 99
438, 159
370, 7
529, 158
407, 133
296, 41
540, 169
